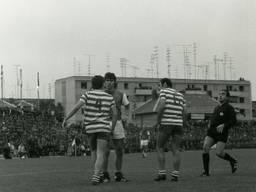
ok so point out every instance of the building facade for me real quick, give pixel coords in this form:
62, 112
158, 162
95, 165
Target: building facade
139, 90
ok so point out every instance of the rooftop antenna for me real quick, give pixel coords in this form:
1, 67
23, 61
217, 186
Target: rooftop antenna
135, 68
89, 63
74, 66
37, 87
156, 60
123, 64
216, 67
195, 59
231, 68
2, 82
107, 60
176, 72
187, 65
224, 64
149, 73
21, 83
152, 65
168, 58
50, 90
17, 80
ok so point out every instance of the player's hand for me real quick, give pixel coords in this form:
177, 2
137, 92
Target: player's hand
220, 128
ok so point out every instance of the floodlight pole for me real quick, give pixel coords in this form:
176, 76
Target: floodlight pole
38, 84
2, 82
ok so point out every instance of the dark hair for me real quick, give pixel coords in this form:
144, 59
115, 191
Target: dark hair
97, 82
167, 81
111, 76
227, 92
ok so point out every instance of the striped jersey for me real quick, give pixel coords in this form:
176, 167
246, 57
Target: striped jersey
97, 111
174, 105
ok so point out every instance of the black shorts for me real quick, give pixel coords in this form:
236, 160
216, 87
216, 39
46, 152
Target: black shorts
167, 131
223, 137
171, 130
93, 137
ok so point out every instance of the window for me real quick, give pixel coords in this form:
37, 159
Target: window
241, 88
233, 99
205, 87
241, 99
242, 111
126, 86
83, 85
229, 87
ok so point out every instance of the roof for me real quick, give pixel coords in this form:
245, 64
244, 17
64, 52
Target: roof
146, 107
5, 104
240, 81
196, 103
24, 103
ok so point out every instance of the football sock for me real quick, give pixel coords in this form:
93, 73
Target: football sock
206, 160
175, 175
162, 172
227, 157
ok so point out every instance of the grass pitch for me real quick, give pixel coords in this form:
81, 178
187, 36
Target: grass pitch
72, 174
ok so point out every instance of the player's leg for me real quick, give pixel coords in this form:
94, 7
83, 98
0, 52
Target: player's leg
162, 138
175, 148
145, 149
220, 146
141, 147
93, 146
102, 147
106, 177
208, 143
119, 149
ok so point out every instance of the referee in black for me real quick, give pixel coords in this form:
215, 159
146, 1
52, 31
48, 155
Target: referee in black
223, 118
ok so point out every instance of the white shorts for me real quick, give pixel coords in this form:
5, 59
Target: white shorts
118, 132
144, 143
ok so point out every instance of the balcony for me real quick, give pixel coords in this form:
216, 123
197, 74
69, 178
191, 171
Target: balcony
139, 91
238, 94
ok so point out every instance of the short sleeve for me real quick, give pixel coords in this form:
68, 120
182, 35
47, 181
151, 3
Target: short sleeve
162, 94
112, 103
84, 97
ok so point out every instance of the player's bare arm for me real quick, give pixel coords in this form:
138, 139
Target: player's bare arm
77, 106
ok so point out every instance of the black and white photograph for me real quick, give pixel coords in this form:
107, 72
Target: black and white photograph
127, 95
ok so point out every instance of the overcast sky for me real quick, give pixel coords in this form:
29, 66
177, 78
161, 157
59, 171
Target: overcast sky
44, 36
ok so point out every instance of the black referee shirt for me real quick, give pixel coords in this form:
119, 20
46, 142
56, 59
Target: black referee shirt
223, 114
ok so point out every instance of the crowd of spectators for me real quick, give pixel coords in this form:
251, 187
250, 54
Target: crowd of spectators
35, 134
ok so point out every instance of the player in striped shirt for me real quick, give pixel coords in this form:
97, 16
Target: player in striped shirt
170, 115
98, 110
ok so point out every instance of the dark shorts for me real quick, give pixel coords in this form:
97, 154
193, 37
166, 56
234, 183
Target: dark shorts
171, 130
117, 144
167, 131
223, 137
93, 137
